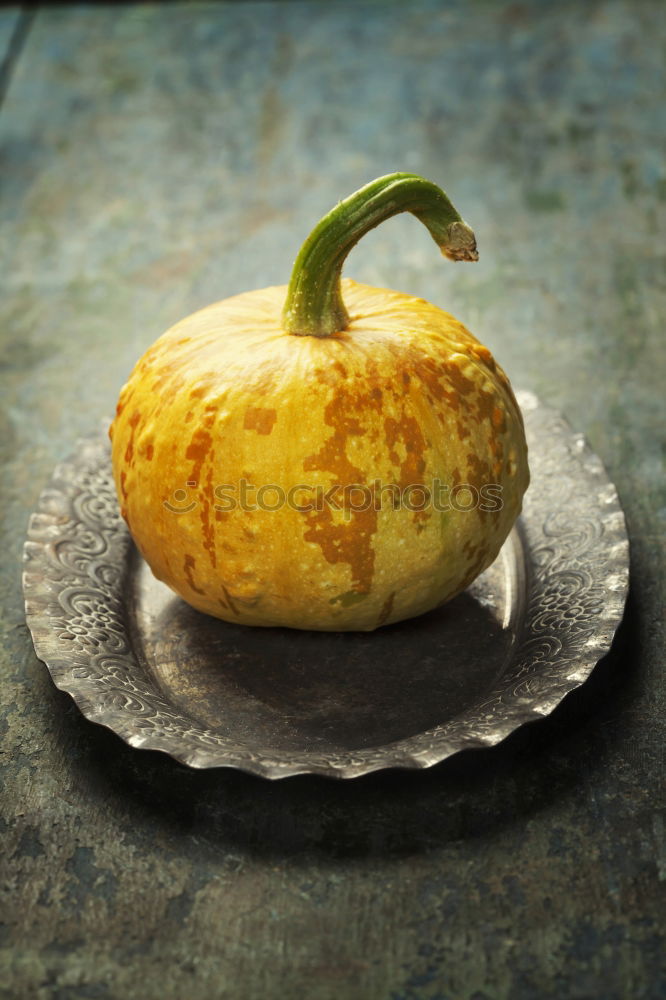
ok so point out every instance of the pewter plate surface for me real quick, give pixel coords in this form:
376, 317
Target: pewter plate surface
277, 702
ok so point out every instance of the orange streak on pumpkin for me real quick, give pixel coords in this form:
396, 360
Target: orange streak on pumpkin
497, 450
442, 380
460, 382
129, 451
479, 474
408, 431
259, 419
499, 419
481, 352
478, 471
413, 466
463, 430
188, 567
126, 395
485, 405
349, 542
199, 449
230, 603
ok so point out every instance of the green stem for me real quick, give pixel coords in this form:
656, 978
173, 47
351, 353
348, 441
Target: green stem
314, 305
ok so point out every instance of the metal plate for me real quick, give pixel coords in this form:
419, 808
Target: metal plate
277, 702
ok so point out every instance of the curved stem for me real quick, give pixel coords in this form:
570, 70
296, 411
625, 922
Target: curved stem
314, 305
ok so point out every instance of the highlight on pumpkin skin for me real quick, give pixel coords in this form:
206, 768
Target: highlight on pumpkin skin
314, 305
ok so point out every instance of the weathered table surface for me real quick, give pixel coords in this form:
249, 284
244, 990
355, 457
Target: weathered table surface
157, 158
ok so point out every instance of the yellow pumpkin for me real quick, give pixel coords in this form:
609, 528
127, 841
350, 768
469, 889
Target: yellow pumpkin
325, 455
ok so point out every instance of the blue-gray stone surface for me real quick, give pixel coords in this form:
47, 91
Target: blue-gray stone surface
156, 158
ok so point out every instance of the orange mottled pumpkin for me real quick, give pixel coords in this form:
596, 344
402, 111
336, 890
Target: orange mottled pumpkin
325, 455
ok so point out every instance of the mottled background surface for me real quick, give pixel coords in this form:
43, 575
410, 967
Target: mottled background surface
154, 159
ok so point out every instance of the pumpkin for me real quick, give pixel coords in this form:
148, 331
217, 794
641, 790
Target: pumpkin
326, 455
